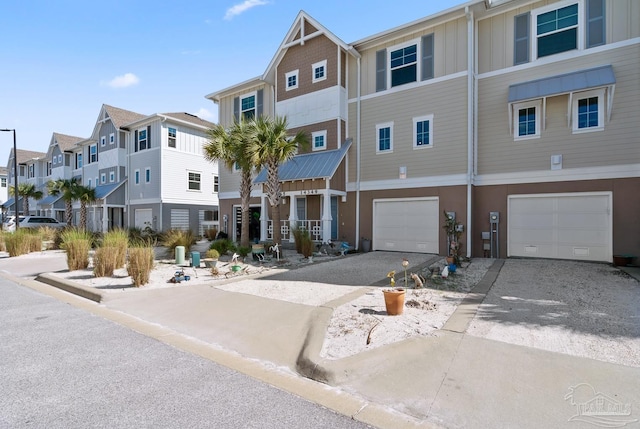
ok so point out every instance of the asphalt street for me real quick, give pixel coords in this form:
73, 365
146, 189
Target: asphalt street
62, 367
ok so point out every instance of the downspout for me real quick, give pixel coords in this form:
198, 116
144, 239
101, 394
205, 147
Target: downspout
358, 113
470, 122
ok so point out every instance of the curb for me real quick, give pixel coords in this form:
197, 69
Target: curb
71, 287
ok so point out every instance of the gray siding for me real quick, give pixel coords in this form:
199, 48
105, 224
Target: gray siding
105, 130
141, 161
194, 215
107, 171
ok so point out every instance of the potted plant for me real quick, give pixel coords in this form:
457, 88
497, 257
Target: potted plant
211, 258
393, 297
453, 229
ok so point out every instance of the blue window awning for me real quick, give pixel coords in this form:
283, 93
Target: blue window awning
562, 84
49, 200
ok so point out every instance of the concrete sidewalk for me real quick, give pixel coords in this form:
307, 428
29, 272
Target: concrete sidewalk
449, 380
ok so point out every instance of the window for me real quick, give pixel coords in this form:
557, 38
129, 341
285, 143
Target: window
93, 154
526, 120
292, 80
556, 30
3, 182
78, 160
142, 139
31, 172
55, 160
384, 137
59, 159
112, 177
248, 107
137, 177
112, 138
48, 168
89, 182
172, 137
319, 140
147, 175
216, 183
210, 215
193, 181
103, 178
423, 132
404, 65
319, 71
588, 111
103, 141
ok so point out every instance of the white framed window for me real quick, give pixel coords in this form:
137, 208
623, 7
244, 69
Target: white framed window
3, 182
527, 118
384, 138
112, 176
588, 111
556, 29
103, 141
403, 63
103, 178
216, 183
89, 182
147, 175
136, 175
112, 138
31, 173
319, 140
423, 132
172, 137
78, 160
142, 139
319, 71
97, 181
248, 106
93, 153
60, 159
55, 160
193, 180
291, 79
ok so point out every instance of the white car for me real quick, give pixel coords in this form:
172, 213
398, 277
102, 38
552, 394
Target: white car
38, 222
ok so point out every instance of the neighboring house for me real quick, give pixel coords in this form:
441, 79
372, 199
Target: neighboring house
520, 109
31, 167
170, 183
4, 189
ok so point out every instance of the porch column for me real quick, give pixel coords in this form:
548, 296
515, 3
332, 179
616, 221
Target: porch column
105, 218
264, 218
292, 217
326, 216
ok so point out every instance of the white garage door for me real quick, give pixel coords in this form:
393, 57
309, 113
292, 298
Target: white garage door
562, 226
406, 225
143, 218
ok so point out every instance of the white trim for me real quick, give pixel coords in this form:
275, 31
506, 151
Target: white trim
411, 86
215, 183
580, 26
322, 134
199, 173
103, 178
136, 177
415, 132
293, 73
112, 138
112, 176
314, 66
147, 177
564, 175
378, 128
516, 107
397, 47
413, 182
577, 96
253, 94
103, 141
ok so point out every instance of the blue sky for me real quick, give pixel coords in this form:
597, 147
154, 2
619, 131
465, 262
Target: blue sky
61, 60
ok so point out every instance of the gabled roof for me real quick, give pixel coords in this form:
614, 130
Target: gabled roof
315, 165
121, 117
65, 142
25, 156
188, 117
103, 191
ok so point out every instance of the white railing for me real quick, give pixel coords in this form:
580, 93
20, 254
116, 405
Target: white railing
286, 229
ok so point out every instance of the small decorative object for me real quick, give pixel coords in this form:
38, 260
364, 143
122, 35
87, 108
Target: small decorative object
453, 229
405, 264
417, 280
393, 298
445, 272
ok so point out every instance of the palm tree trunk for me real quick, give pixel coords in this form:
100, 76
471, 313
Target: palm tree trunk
273, 193
69, 212
83, 215
245, 195
25, 205
275, 218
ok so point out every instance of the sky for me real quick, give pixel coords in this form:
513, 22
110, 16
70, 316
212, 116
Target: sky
61, 60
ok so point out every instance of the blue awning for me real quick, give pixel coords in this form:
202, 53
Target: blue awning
49, 200
562, 84
8, 203
315, 165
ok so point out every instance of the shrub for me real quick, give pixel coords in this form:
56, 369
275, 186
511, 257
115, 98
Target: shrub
177, 237
105, 261
34, 241
118, 240
17, 243
212, 254
223, 246
140, 264
243, 250
210, 234
143, 237
297, 239
76, 244
3, 248
304, 243
48, 234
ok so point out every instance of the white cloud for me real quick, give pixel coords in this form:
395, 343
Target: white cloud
127, 79
243, 7
204, 114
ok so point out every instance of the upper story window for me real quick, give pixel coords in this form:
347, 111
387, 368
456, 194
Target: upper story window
248, 107
137, 177
319, 71
3, 182
89, 182
292, 80
78, 160
55, 160
406, 63
193, 181
527, 120
103, 141
216, 183
60, 159
423, 132
588, 111
112, 176
557, 30
384, 138
319, 140
93, 153
112, 138
103, 178
147, 175
48, 168
31, 172
142, 140
172, 137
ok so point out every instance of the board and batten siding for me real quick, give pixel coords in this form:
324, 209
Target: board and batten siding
148, 158
446, 101
225, 107
450, 54
617, 144
496, 33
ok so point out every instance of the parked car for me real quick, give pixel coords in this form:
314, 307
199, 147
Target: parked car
10, 223
39, 222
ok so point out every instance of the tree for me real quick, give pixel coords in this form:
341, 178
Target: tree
86, 196
26, 191
66, 188
270, 146
229, 146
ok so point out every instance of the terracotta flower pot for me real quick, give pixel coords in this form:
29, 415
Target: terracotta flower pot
394, 301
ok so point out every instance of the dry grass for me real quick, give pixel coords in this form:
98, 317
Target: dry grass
140, 264
118, 241
76, 244
104, 261
17, 243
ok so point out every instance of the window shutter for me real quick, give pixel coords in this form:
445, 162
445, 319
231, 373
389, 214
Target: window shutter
135, 141
381, 70
521, 39
236, 108
595, 23
259, 103
148, 136
427, 57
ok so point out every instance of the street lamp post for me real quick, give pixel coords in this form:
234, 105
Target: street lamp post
15, 175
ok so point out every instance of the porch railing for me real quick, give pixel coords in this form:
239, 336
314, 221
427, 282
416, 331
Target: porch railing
286, 229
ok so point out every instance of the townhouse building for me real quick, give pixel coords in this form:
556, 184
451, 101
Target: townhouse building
31, 169
4, 189
515, 116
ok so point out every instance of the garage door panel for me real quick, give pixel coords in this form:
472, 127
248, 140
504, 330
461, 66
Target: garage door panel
406, 225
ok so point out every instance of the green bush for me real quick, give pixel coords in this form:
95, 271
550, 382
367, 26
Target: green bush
143, 237
243, 250
140, 264
303, 242
177, 237
223, 246
212, 254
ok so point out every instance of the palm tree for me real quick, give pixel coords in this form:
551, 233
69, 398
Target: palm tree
66, 188
229, 146
85, 195
26, 191
270, 147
